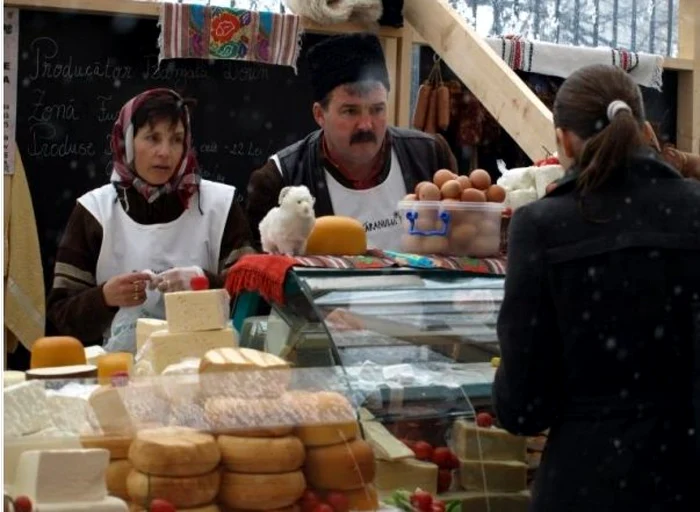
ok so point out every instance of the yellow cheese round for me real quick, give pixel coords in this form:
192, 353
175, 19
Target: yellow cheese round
325, 435
115, 478
352, 464
57, 351
334, 235
117, 446
174, 451
261, 492
261, 455
365, 498
324, 418
181, 492
204, 508
244, 417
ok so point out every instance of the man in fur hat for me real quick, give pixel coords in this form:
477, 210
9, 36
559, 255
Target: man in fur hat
355, 165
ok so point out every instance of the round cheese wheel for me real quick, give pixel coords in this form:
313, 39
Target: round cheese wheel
182, 492
204, 508
352, 466
325, 435
365, 498
117, 446
334, 235
291, 508
261, 492
77, 371
115, 478
260, 455
57, 351
324, 418
174, 451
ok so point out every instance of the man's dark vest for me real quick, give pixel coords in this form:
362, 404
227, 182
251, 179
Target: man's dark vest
416, 151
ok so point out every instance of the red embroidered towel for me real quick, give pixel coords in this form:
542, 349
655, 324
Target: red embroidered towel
261, 273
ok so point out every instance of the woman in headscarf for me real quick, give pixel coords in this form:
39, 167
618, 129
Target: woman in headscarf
156, 225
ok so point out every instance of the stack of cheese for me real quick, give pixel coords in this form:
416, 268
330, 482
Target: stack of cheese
244, 405
492, 467
337, 458
197, 321
397, 465
174, 464
66, 481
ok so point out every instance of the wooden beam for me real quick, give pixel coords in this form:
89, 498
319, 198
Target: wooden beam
404, 75
151, 9
509, 100
688, 127
391, 50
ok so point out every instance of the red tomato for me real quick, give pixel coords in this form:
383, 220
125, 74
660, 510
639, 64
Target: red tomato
323, 507
423, 450
161, 506
444, 480
484, 419
454, 461
338, 501
309, 501
421, 500
438, 506
23, 504
442, 457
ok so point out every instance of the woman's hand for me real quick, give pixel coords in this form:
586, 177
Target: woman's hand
126, 290
176, 279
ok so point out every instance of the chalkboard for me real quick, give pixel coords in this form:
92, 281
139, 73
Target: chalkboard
661, 110
77, 70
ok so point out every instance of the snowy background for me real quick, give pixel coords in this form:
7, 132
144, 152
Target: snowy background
639, 25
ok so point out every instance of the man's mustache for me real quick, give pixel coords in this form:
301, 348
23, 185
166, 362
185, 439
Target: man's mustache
360, 137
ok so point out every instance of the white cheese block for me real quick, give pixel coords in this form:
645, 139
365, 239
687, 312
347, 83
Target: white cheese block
545, 175
108, 504
384, 444
26, 409
476, 443
49, 439
93, 353
167, 348
145, 327
11, 377
60, 476
193, 311
68, 413
406, 474
493, 475
517, 198
109, 409
518, 178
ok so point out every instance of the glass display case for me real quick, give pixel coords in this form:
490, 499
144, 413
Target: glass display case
408, 328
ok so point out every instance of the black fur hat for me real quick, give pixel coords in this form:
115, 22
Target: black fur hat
346, 59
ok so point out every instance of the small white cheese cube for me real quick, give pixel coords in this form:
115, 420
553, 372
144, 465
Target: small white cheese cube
203, 310
145, 327
26, 409
60, 476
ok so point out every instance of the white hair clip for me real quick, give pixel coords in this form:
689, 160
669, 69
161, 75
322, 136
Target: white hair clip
615, 107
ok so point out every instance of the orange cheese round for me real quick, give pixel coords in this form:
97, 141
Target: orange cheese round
334, 235
117, 446
353, 466
365, 498
261, 492
261, 455
182, 492
325, 435
174, 451
57, 351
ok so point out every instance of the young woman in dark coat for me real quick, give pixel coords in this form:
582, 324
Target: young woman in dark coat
600, 324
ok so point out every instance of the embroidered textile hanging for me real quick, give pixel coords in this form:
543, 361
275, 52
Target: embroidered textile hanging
207, 32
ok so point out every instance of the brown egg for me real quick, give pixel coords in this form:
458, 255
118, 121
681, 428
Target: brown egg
472, 195
442, 176
490, 227
410, 197
429, 192
435, 245
412, 244
465, 182
496, 194
480, 179
454, 208
484, 247
418, 187
451, 189
460, 238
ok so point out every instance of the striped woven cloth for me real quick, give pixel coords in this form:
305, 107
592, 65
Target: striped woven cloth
205, 32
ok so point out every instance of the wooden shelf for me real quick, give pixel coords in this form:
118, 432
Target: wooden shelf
152, 9
674, 64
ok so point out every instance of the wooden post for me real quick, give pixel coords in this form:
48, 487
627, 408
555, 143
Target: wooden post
509, 100
688, 128
403, 81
